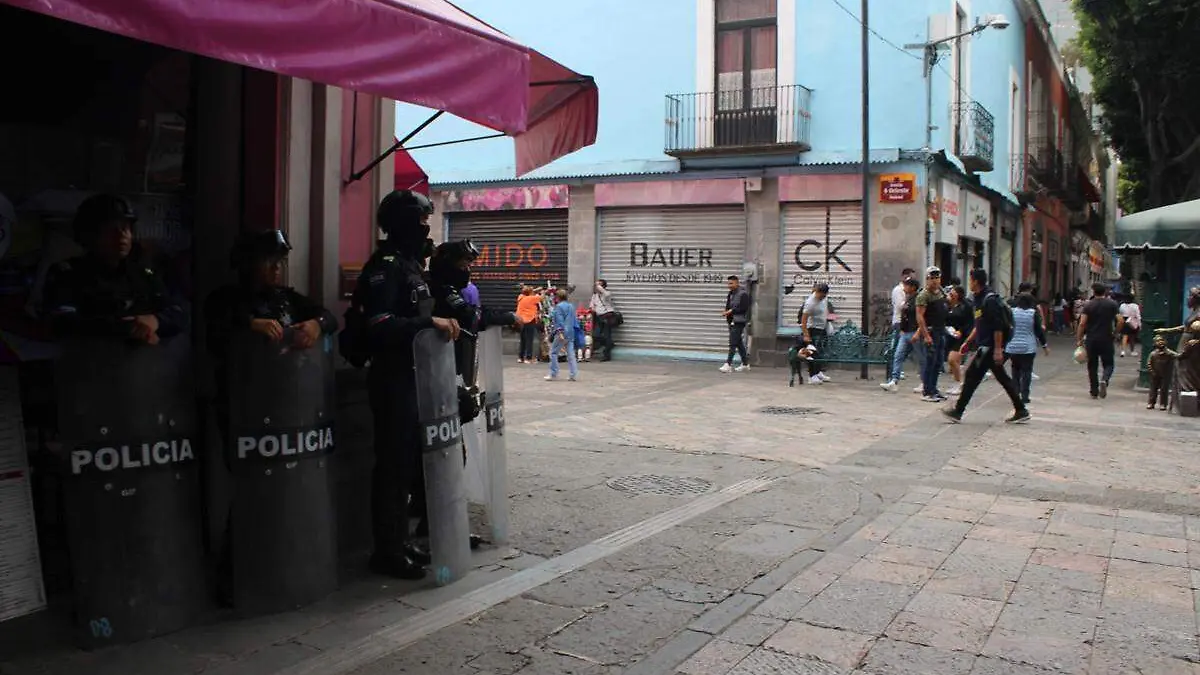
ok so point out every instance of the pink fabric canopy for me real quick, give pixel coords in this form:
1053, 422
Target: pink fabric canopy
426, 52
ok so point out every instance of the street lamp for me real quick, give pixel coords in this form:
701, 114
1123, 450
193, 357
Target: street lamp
930, 49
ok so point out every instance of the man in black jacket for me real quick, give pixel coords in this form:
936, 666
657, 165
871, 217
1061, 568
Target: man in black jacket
397, 303
992, 329
737, 315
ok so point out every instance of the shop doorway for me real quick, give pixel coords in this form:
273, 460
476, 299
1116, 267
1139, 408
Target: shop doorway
106, 114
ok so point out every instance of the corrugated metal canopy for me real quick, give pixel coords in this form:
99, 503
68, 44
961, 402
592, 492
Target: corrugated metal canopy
1174, 226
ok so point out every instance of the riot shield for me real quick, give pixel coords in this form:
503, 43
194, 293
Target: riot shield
491, 361
441, 447
127, 422
281, 433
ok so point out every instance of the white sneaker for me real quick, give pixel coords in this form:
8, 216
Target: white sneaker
1122, 353
572, 378
550, 378
815, 380
1035, 376
824, 377
919, 390
741, 369
726, 368
890, 385
903, 376
954, 391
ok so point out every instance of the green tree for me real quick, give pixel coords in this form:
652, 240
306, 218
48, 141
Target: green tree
1146, 77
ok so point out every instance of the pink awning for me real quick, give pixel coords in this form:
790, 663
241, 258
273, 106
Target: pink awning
426, 52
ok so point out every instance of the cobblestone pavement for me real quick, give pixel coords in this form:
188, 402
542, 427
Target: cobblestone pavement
853, 532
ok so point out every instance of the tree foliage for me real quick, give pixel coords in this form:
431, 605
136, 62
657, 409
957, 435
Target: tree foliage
1146, 77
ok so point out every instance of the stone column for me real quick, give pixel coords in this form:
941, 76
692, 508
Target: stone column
763, 239
581, 241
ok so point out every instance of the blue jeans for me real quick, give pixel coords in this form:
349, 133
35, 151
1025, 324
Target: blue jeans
572, 364
933, 362
904, 347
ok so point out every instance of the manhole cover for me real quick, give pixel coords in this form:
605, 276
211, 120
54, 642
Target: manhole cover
789, 410
660, 485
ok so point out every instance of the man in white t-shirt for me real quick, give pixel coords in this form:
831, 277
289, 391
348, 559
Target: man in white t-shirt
899, 297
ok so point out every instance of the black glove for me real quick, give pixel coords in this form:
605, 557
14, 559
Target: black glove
469, 405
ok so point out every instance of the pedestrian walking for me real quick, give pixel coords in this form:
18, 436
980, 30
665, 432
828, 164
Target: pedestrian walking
563, 324
906, 330
814, 322
899, 296
527, 311
932, 310
993, 328
959, 319
1162, 369
1097, 336
737, 315
604, 316
1060, 313
1028, 334
1133, 325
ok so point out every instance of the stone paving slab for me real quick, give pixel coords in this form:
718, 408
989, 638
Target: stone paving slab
975, 583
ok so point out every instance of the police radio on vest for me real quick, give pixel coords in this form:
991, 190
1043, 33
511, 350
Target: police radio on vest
160, 453
285, 445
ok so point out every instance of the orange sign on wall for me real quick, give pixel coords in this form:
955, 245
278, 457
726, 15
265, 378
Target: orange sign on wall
899, 188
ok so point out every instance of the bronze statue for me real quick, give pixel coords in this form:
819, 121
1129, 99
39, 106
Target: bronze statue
1161, 363
1187, 373
1193, 304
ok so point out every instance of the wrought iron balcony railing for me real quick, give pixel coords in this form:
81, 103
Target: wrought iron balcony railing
1044, 163
750, 119
975, 136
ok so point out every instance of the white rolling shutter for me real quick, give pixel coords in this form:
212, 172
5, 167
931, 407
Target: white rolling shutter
667, 268
823, 243
21, 590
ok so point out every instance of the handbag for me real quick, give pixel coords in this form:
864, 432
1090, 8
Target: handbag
615, 318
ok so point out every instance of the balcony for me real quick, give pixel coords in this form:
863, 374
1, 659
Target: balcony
758, 119
1044, 164
974, 136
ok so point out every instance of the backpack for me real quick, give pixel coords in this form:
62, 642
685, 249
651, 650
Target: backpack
1006, 315
352, 341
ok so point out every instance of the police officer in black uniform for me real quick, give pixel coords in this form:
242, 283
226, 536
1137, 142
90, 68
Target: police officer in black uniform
397, 303
258, 302
111, 290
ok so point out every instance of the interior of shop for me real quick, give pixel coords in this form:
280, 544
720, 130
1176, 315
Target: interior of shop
85, 112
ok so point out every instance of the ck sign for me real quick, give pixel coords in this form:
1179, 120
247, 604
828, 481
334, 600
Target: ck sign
813, 255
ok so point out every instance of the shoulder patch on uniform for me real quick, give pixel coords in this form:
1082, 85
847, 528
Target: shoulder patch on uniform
389, 258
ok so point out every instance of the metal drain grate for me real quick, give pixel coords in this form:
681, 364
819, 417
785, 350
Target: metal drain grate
660, 485
789, 410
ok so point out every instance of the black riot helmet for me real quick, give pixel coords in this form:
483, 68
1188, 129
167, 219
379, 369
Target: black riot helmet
450, 263
401, 216
251, 247
99, 210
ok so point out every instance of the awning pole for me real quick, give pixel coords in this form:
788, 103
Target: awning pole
462, 140
358, 175
582, 79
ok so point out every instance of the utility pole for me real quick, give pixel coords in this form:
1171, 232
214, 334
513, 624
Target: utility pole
867, 193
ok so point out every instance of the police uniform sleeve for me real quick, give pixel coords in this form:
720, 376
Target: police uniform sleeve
171, 310
66, 305
495, 317
386, 289
308, 309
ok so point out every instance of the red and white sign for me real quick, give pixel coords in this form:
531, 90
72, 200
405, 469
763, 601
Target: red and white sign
898, 188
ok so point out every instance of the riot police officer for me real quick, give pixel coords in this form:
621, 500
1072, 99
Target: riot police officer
397, 303
449, 277
259, 303
111, 290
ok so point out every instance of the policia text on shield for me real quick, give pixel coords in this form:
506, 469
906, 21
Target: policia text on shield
273, 352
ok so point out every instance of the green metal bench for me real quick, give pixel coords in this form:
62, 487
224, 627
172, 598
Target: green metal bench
846, 346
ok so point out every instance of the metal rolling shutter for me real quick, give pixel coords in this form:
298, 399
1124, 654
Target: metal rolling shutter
670, 306
21, 590
823, 243
518, 247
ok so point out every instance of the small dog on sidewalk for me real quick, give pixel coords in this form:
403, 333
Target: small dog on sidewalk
797, 356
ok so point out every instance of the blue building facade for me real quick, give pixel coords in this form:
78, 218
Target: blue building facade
735, 126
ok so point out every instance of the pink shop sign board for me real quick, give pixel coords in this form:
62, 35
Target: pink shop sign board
672, 193
509, 198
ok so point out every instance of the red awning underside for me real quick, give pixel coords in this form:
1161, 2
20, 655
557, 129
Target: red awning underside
409, 174
426, 52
